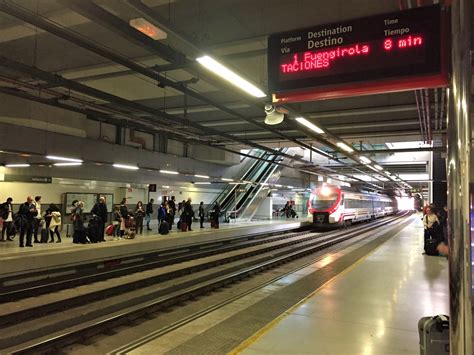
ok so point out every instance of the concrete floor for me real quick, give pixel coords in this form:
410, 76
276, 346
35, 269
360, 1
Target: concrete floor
371, 308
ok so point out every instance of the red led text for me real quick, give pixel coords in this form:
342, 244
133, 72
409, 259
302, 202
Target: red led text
322, 59
404, 42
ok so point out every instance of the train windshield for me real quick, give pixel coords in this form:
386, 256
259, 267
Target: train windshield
324, 201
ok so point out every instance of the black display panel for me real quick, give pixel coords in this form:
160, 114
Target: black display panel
372, 49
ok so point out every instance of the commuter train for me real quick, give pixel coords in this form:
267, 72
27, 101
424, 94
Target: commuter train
330, 206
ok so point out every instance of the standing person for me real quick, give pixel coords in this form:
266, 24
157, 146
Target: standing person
139, 213
161, 214
100, 210
38, 218
79, 228
7, 216
217, 212
188, 213
443, 222
201, 214
53, 221
27, 214
149, 214
172, 206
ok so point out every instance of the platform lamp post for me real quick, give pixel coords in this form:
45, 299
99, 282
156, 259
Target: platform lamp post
458, 166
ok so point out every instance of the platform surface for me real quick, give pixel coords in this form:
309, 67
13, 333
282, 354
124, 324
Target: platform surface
48, 255
371, 308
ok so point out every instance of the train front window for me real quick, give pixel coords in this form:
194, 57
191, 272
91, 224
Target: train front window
323, 201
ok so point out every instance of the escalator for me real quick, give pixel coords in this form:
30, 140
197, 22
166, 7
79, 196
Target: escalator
241, 200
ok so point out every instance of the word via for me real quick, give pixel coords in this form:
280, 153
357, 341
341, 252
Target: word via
406, 42
322, 59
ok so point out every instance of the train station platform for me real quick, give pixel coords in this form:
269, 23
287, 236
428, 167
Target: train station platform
56, 256
372, 307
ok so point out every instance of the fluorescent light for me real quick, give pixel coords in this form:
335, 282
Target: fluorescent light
227, 74
378, 167
234, 183
345, 147
169, 172
365, 160
309, 125
225, 179
148, 29
67, 164
278, 185
202, 183
54, 157
202, 176
165, 186
123, 166
290, 187
17, 165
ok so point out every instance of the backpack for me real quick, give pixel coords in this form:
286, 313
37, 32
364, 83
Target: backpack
4, 210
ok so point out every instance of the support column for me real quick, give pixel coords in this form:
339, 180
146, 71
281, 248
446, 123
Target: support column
459, 141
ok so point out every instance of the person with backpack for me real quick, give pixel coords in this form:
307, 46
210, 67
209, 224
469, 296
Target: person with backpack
188, 214
6, 213
162, 215
215, 215
172, 208
26, 214
149, 214
53, 221
79, 228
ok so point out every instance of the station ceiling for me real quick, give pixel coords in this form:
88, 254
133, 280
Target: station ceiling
53, 36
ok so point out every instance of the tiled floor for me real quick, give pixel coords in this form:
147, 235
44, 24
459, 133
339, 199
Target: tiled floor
372, 308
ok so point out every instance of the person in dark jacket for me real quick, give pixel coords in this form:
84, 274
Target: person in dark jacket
27, 214
149, 213
172, 209
202, 214
139, 213
188, 213
79, 228
100, 210
217, 212
124, 208
7, 216
162, 215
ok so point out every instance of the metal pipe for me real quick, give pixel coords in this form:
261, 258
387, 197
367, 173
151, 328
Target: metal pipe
436, 109
458, 171
420, 116
427, 116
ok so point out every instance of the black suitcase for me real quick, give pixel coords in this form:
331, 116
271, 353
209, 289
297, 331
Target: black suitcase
164, 228
93, 231
430, 247
44, 235
434, 335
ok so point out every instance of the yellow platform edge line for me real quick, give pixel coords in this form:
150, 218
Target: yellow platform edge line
249, 341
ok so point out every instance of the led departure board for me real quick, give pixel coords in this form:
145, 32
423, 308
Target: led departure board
396, 51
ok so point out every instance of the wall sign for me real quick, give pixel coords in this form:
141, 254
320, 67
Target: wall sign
28, 178
390, 52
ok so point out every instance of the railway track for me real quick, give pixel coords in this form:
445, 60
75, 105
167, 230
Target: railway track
64, 317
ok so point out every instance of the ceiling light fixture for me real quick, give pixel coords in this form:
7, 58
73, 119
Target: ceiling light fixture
55, 157
202, 183
169, 172
67, 164
165, 186
365, 160
202, 176
124, 166
226, 179
17, 165
227, 74
378, 167
309, 125
345, 147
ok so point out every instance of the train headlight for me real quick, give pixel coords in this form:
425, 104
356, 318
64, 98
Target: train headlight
325, 191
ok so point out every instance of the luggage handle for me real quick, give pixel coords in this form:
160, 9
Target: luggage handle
442, 322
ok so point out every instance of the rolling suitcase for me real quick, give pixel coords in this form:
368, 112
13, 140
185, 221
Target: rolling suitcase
164, 228
434, 335
44, 235
184, 226
109, 230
